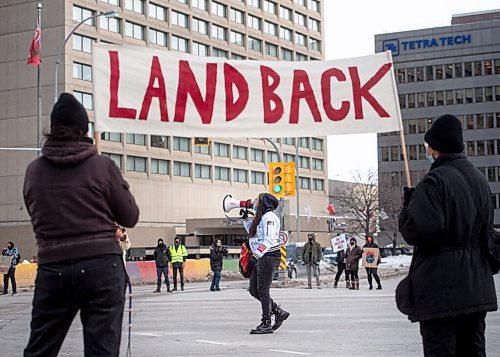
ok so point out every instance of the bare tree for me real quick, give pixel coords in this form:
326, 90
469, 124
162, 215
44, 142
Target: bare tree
390, 201
360, 203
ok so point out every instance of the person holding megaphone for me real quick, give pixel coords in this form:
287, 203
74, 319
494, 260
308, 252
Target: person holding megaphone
263, 235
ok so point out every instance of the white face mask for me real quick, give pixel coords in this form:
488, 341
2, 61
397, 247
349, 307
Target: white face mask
428, 153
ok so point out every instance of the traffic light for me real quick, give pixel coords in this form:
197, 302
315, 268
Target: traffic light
282, 179
277, 179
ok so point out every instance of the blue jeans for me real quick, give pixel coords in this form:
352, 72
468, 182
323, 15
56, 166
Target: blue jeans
95, 287
216, 279
159, 272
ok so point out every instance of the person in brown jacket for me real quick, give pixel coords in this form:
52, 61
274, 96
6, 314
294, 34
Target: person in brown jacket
312, 255
74, 197
353, 256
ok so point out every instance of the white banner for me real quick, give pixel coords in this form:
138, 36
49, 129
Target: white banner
339, 243
148, 91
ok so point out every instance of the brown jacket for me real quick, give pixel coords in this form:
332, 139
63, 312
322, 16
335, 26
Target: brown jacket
352, 258
74, 198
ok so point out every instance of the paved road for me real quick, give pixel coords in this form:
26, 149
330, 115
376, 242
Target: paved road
196, 322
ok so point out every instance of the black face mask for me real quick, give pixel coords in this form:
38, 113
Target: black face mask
10, 247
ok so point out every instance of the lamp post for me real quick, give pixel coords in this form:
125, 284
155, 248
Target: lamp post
107, 14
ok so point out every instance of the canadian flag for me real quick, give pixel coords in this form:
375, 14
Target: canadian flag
34, 56
331, 209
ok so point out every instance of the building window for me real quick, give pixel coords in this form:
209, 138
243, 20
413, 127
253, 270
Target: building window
314, 44
439, 98
401, 75
80, 14
181, 144
109, 24
239, 152
431, 99
317, 164
318, 185
135, 5
411, 100
304, 162
237, 16
272, 156
179, 19
300, 39
270, 7
182, 169
114, 137
289, 158
299, 19
254, 3
448, 71
240, 176
221, 173
314, 5
116, 158
84, 72
497, 93
160, 167
254, 22
202, 171
235, 56
288, 141
458, 70
179, 44
286, 34
410, 74
450, 100
134, 30
158, 37
497, 66
199, 49
468, 69
304, 143
421, 100
469, 95
257, 178
217, 52
305, 183
300, 57
112, 2
286, 55
84, 98
136, 139
439, 72
82, 43
478, 68
237, 38
429, 73
479, 121
479, 94
157, 12
221, 150
488, 94
136, 163
254, 44
219, 32
271, 49
199, 26
459, 96
385, 153
286, 13
300, 2
204, 150
314, 25
219, 9
257, 155
270, 28
317, 144
159, 141
199, 4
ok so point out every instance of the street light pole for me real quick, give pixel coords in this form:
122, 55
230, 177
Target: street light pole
108, 14
297, 188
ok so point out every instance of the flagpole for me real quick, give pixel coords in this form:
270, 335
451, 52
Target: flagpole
39, 89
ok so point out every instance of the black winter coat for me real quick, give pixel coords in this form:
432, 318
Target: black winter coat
450, 274
340, 258
352, 258
161, 255
216, 256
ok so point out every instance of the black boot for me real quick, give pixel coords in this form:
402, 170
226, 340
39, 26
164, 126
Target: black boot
157, 290
168, 289
264, 327
335, 284
280, 316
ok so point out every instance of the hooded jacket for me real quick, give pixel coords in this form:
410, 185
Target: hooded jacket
353, 256
312, 250
266, 239
74, 198
450, 274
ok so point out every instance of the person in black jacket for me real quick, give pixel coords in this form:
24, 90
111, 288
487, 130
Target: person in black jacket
217, 254
372, 272
161, 256
353, 255
450, 277
340, 259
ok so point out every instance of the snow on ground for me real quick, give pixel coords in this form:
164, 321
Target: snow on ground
398, 261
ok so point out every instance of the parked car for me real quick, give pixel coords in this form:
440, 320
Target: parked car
329, 256
295, 264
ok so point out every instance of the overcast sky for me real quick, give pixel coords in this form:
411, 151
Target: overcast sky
350, 27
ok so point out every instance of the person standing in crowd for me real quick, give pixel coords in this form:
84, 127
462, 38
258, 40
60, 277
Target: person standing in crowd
372, 272
161, 256
446, 218
80, 265
263, 234
217, 254
341, 267
312, 255
13, 252
122, 236
178, 256
353, 256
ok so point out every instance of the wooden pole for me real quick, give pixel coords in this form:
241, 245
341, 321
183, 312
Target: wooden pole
405, 156
97, 138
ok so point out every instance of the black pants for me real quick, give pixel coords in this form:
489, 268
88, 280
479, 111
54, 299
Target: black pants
369, 273
353, 275
11, 274
260, 282
454, 336
181, 272
340, 269
93, 286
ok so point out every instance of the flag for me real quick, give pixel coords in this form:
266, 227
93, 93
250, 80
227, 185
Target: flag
331, 209
34, 57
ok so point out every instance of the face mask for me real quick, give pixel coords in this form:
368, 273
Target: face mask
429, 157
352, 243
10, 246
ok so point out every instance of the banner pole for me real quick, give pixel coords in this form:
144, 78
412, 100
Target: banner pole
405, 157
97, 140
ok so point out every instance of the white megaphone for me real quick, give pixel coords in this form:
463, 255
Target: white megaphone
229, 203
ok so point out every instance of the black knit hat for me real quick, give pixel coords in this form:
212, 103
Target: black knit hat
445, 135
69, 112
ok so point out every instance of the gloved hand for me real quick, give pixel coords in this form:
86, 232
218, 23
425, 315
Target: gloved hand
243, 213
407, 192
